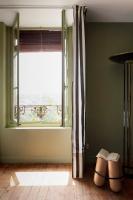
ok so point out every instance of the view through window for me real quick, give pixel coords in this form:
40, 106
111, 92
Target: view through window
40, 87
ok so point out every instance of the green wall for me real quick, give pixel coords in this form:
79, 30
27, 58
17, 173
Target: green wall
2, 72
2, 79
48, 145
105, 85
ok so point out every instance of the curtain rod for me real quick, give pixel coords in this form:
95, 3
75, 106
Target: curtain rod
34, 7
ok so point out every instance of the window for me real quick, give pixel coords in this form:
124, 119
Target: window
40, 92
40, 77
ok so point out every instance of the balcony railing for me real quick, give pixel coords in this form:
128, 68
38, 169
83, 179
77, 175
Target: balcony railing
36, 113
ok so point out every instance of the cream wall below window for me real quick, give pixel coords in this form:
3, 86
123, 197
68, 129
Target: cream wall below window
36, 145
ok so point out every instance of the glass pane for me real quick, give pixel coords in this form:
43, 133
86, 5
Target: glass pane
40, 87
15, 72
15, 68
67, 21
15, 105
15, 89
65, 81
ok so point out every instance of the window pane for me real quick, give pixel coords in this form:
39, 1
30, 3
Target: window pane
40, 87
14, 99
15, 72
15, 105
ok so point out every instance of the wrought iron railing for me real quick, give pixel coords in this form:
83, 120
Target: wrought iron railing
49, 113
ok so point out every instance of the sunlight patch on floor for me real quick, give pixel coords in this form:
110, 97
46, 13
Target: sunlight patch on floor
39, 179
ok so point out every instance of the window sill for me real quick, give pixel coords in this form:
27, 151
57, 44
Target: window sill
40, 128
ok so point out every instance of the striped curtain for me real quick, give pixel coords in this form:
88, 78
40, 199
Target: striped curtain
78, 125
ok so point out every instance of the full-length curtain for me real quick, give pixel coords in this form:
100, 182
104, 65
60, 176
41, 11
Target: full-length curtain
79, 92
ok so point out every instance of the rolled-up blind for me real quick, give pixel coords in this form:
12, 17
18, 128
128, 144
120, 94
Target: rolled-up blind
40, 40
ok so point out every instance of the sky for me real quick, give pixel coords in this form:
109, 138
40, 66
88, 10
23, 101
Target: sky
40, 74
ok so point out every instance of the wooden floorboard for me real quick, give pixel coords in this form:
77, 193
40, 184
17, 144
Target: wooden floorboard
54, 182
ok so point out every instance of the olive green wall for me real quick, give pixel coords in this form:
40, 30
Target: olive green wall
2, 79
52, 145
105, 85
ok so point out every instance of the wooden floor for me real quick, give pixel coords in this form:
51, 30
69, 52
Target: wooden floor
54, 182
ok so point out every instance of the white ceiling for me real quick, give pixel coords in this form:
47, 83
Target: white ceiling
98, 10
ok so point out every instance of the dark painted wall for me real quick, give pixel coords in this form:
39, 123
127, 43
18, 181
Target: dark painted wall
105, 85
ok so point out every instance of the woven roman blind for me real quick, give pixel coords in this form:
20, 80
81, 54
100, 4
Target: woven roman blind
40, 40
